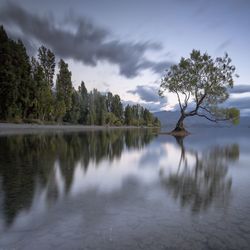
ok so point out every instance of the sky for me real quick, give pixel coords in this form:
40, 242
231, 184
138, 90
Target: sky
126, 46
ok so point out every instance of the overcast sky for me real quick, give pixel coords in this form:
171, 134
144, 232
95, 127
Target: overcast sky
124, 46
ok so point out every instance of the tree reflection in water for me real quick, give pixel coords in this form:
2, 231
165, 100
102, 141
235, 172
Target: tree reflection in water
29, 163
201, 184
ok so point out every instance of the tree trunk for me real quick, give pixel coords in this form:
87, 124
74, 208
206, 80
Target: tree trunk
180, 124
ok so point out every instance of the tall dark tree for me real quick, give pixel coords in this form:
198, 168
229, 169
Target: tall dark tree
8, 91
128, 115
15, 81
73, 115
109, 100
148, 118
64, 89
116, 107
83, 92
47, 62
42, 96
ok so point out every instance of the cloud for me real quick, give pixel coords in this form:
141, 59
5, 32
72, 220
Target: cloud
240, 89
83, 41
151, 106
146, 93
240, 103
223, 45
149, 97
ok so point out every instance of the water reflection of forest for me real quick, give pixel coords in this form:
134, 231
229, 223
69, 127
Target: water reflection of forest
27, 162
201, 183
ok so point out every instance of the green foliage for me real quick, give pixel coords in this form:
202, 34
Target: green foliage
202, 80
128, 115
47, 62
15, 83
60, 110
27, 94
233, 115
42, 95
116, 107
64, 88
83, 93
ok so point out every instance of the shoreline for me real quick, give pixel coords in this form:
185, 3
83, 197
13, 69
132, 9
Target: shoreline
21, 128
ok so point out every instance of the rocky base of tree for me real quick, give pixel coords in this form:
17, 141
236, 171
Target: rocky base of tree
179, 132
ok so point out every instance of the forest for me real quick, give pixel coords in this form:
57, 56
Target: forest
28, 93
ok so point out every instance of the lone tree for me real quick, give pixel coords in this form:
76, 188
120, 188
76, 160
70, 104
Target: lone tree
201, 84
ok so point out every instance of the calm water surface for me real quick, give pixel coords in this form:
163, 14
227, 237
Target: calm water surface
129, 189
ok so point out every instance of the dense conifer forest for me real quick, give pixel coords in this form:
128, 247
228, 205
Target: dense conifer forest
28, 92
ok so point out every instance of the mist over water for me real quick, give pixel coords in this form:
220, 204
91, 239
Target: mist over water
125, 189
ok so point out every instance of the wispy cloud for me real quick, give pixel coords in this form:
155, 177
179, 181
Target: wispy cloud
240, 89
149, 97
85, 41
224, 45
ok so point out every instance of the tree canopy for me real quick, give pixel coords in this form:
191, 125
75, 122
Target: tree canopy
201, 85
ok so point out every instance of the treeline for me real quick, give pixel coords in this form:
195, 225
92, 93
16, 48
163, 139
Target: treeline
28, 93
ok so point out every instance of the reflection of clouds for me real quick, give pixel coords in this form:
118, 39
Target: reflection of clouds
169, 162
143, 166
109, 177
152, 156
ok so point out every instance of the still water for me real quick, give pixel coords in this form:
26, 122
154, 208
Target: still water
125, 189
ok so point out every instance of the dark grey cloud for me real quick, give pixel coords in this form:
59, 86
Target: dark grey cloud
240, 89
149, 98
82, 40
146, 93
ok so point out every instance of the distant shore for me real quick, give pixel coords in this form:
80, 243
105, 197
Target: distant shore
13, 128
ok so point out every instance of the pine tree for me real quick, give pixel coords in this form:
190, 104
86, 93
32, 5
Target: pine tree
128, 115
15, 81
64, 89
116, 107
83, 93
47, 62
42, 96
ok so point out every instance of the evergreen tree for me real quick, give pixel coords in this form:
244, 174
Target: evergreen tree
147, 117
73, 115
15, 81
109, 100
83, 93
64, 89
128, 114
8, 90
47, 62
42, 96
116, 107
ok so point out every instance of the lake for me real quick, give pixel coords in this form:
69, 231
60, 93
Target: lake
125, 189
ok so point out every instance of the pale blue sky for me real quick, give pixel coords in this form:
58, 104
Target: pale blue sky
153, 33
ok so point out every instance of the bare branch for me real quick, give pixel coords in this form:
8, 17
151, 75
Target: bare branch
207, 110
212, 120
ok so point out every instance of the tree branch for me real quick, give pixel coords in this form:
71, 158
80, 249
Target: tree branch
179, 100
212, 120
207, 110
